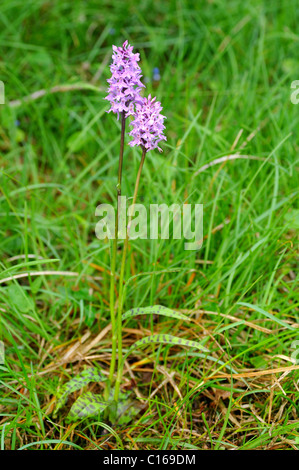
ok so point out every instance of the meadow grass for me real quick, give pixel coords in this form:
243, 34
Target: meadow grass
225, 76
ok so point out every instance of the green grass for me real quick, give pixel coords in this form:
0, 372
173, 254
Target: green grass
225, 89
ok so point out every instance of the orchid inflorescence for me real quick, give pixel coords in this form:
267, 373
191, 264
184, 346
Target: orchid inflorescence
125, 84
148, 124
124, 96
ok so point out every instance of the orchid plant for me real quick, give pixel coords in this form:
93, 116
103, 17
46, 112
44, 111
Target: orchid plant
147, 122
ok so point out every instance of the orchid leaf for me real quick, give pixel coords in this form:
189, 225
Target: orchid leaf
167, 339
87, 405
91, 374
127, 409
156, 310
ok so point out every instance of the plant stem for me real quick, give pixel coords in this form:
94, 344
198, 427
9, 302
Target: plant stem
121, 282
113, 256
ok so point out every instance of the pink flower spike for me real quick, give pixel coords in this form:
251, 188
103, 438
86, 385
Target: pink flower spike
124, 84
147, 124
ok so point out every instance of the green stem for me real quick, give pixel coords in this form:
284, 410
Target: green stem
121, 282
113, 258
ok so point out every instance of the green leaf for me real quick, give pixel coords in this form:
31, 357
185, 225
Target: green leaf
87, 405
90, 315
40, 58
166, 339
292, 218
20, 299
258, 362
156, 310
91, 374
77, 141
267, 314
127, 409
2, 353
36, 285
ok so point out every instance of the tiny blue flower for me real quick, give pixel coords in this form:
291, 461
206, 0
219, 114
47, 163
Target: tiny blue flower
156, 74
